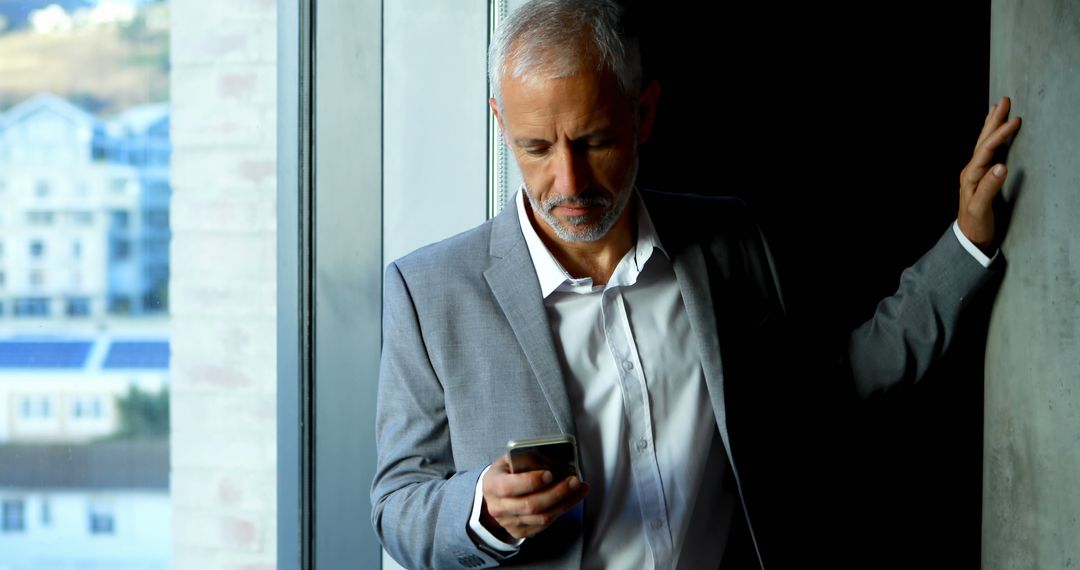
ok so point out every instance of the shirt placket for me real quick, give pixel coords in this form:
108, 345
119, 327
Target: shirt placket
640, 446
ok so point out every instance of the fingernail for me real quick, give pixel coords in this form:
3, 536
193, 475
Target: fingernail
574, 483
999, 171
546, 477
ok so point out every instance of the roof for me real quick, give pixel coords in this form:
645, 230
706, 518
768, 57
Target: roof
44, 354
82, 354
137, 354
140, 118
48, 101
111, 465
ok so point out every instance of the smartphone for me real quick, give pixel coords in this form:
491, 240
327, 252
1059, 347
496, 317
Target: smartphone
555, 453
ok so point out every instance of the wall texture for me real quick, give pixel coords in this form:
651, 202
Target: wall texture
1031, 503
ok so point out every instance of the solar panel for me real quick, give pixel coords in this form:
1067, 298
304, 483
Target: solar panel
44, 354
137, 354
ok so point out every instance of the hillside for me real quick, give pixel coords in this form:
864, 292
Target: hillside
103, 70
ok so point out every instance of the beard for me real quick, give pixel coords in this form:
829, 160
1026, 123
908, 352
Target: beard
585, 228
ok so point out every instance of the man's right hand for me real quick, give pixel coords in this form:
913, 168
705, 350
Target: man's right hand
520, 505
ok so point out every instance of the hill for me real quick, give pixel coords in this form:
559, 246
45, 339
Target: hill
104, 70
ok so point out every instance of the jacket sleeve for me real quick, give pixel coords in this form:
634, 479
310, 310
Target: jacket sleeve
913, 327
421, 504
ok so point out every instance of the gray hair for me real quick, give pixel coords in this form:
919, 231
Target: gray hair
554, 38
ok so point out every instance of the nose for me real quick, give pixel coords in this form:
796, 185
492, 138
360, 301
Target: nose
571, 171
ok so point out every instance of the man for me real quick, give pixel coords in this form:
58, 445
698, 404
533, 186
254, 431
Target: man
622, 317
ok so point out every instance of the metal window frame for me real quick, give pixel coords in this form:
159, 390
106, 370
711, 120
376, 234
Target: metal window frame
329, 278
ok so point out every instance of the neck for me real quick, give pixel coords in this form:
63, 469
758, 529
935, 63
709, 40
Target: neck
594, 259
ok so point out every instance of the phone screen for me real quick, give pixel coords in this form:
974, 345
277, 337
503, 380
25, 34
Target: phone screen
559, 457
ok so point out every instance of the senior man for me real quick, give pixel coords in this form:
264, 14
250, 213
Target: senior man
623, 317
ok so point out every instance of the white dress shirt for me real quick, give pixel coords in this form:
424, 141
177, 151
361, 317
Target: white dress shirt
646, 431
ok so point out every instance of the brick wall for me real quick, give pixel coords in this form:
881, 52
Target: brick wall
222, 289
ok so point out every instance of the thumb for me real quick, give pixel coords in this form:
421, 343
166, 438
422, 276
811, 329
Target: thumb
988, 187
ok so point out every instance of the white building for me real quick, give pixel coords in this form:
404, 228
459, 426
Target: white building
66, 390
84, 231
85, 507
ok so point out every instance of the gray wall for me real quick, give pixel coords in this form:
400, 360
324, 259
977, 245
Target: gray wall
435, 121
1031, 500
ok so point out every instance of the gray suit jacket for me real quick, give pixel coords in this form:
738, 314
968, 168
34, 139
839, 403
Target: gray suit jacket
469, 361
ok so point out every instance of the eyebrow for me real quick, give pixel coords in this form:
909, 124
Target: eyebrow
600, 134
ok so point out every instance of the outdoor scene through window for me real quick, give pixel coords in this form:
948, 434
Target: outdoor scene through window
137, 284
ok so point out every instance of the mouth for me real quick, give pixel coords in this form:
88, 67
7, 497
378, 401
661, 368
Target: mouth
577, 210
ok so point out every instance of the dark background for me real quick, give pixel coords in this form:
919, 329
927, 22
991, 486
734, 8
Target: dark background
845, 128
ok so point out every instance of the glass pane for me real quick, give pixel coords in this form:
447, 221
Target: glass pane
137, 284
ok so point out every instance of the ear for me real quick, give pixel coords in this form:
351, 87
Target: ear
646, 110
495, 109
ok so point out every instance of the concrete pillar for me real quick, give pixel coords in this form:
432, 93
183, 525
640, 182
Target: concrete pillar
1031, 472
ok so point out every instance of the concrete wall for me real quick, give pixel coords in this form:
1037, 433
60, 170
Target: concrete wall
1031, 502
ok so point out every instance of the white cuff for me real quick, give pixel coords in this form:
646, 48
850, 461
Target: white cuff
479, 530
972, 248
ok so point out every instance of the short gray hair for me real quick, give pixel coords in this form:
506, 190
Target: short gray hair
556, 37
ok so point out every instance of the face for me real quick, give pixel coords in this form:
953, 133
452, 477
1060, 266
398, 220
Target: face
575, 140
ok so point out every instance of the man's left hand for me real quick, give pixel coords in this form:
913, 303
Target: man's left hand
981, 180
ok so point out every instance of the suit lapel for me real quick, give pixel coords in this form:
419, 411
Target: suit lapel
691, 271
521, 302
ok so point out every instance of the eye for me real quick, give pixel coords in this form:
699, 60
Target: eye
536, 151
597, 144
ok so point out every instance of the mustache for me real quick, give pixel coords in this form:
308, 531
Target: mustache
585, 200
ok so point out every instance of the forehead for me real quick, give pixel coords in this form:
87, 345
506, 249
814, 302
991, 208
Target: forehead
586, 99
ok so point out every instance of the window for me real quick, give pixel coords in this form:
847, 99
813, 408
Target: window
37, 248
31, 306
42, 188
2, 277
78, 307
82, 217
156, 218
120, 249
44, 407
46, 512
101, 520
13, 513
37, 278
39, 218
26, 408
228, 158
119, 304
119, 219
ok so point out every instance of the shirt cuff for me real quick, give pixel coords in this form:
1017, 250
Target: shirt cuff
972, 248
479, 530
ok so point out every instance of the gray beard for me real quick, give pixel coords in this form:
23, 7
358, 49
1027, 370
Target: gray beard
585, 232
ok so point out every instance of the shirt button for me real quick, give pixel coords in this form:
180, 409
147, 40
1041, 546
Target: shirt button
642, 444
627, 365
657, 524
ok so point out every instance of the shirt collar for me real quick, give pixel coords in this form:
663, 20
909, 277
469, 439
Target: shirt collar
551, 273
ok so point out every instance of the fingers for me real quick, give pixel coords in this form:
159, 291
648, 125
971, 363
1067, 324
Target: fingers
500, 482
996, 131
527, 516
984, 152
538, 502
997, 115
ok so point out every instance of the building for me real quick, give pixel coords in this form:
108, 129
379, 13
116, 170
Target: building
86, 229
68, 390
98, 506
